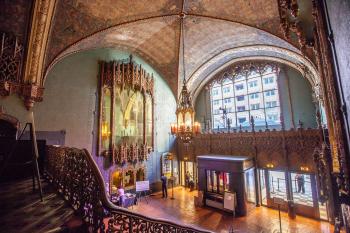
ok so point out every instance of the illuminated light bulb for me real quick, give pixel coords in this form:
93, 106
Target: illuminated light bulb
105, 133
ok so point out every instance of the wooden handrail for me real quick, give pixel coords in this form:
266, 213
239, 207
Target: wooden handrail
77, 177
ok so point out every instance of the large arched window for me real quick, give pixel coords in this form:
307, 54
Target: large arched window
245, 92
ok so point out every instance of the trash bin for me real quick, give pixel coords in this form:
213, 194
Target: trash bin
291, 209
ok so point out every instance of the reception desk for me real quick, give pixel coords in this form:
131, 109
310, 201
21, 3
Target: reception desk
218, 174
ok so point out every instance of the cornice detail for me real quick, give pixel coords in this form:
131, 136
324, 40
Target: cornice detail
33, 73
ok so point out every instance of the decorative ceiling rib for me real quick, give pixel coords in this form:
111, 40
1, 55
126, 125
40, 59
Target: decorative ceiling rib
151, 29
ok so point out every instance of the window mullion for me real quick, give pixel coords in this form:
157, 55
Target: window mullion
246, 81
234, 99
222, 101
263, 94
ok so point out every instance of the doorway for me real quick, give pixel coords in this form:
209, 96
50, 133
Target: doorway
302, 191
190, 168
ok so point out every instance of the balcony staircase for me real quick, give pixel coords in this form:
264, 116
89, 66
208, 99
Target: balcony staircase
74, 201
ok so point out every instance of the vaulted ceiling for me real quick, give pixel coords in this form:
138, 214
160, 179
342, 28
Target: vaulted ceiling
151, 29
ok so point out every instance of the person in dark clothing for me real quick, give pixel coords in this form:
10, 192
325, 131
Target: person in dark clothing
164, 186
300, 181
187, 179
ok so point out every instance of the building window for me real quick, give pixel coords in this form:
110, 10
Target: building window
249, 94
268, 80
215, 91
272, 117
227, 101
242, 120
254, 106
239, 87
240, 108
226, 89
253, 83
254, 96
240, 98
270, 93
271, 104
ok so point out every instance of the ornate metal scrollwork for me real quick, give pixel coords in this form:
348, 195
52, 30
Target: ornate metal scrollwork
11, 59
77, 178
242, 68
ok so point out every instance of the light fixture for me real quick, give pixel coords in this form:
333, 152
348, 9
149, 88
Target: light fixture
185, 127
270, 165
305, 168
104, 131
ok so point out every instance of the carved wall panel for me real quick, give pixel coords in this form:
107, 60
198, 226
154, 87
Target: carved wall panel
334, 112
126, 112
291, 150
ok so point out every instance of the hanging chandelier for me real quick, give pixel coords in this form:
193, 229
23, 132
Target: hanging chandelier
185, 127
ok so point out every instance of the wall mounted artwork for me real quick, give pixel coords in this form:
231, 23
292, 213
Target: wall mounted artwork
126, 109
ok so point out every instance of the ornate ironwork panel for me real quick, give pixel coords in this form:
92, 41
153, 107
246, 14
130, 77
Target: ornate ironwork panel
78, 180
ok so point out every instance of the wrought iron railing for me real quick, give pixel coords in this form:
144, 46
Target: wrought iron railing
77, 177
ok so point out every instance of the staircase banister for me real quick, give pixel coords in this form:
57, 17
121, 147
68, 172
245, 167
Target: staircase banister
113, 208
78, 179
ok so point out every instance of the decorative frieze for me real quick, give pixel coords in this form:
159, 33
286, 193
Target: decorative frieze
127, 75
290, 149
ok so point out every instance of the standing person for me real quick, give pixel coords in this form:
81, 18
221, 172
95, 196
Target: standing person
120, 194
301, 183
187, 179
164, 185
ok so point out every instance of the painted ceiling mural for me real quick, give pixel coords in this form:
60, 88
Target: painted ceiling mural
151, 29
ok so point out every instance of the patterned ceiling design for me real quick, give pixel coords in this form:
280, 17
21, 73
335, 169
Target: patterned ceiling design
255, 52
14, 18
151, 29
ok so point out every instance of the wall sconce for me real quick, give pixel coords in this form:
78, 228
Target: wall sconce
104, 131
304, 168
173, 128
197, 128
185, 158
270, 165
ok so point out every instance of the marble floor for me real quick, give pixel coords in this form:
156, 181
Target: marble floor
260, 219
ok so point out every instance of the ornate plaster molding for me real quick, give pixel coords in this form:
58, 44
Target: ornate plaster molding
257, 52
33, 73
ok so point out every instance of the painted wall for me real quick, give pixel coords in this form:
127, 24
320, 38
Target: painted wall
300, 107
70, 104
